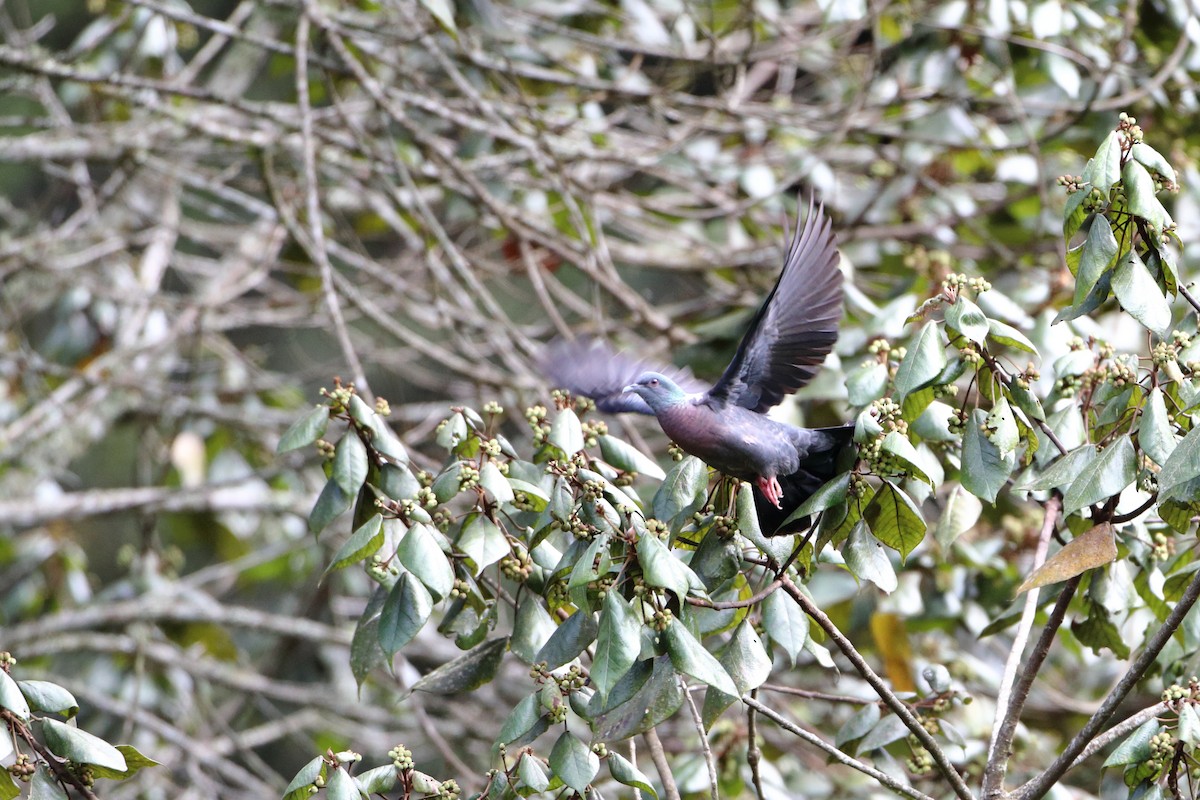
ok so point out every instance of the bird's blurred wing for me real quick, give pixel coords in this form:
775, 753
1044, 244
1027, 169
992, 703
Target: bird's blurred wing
590, 367
796, 326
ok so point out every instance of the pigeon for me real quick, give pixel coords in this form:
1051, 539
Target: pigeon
726, 424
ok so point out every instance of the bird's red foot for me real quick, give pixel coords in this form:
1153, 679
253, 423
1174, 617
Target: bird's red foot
771, 490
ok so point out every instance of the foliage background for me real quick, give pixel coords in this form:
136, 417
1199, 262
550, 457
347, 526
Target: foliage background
209, 209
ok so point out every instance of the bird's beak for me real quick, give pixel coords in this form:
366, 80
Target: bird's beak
631, 387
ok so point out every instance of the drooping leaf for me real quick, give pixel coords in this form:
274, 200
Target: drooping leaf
469, 671
968, 319
566, 433
1104, 169
1099, 254
405, 612
11, 698
1108, 475
1140, 194
785, 623
682, 491
898, 445
483, 542
890, 729
340, 786
867, 559
959, 516
618, 643
532, 628
745, 659
350, 464
984, 468
419, 552
1134, 748
1091, 549
526, 718
330, 505
495, 484
648, 694
299, 787
858, 725
660, 568
363, 543
1098, 631
689, 657
922, 363
1140, 295
1155, 436
624, 772
574, 762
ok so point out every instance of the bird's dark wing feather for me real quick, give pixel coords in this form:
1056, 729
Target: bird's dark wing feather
591, 368
794, 329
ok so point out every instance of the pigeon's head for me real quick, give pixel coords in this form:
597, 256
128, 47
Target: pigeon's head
657, 390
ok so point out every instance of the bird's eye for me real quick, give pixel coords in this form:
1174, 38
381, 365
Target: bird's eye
653, 382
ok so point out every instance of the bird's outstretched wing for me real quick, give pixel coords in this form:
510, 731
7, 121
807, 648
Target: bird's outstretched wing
590, 367
796, 326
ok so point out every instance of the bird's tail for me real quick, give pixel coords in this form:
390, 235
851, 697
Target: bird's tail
820, 465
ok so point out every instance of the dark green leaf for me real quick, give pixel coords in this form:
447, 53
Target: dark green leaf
618, 643
1099, 254
785, 623
330, 505
1135, 747
626, 773
526, 717
745, 659
48, 697
532, 628
298, 788
363, 543
1140, 195
1182, 467
305, 430
574, 762
689, 657
968, 319
350, 464
80, 746
405, 612
1098, 631
1104, 169
569, 639
648, 694
420, 553
867, 560
897, 444
365, 652
660, 568
628, 458
831, 494
1026, 401
682, 491
895, 519
1060, 473
1140, 295
984, 469
469, 671
1112, 470
922, 363
890, 729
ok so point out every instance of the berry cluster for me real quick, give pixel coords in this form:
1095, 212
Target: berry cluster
516, 567
401, 757
23, 768
536, 417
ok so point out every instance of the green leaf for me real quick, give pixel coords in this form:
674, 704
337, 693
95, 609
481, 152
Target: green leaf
298, 788
9, 789
469, 671
1098, 631
649, 693
660, 568
534, 495
532, 628
959, 516
984, 468
1135, 748
405, 612
566, 433
350, 464
866, 383
785, 623
48, 697
626, 773
968, 319
495, 484
1007, 335
890, 729
1099, 254
569, 639
1112, 470
482, 541
1104, 169
525, 718
1155, 436
867, 559
831, 494
363, 543
340, 786
11, 698
1141, 199
305, 430
682, 491
689, 657
1026, 401
898, 445
419, 552
1152, 160
745, 659
1182, 467
532, 774
331, 504
1061, 472
1091, 549
1188, 730
618, 642
1140, 295
380, 780
574, 762
922, 363
858, 725
80, 746
628, 458
365, 652
895, 519
45, 786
